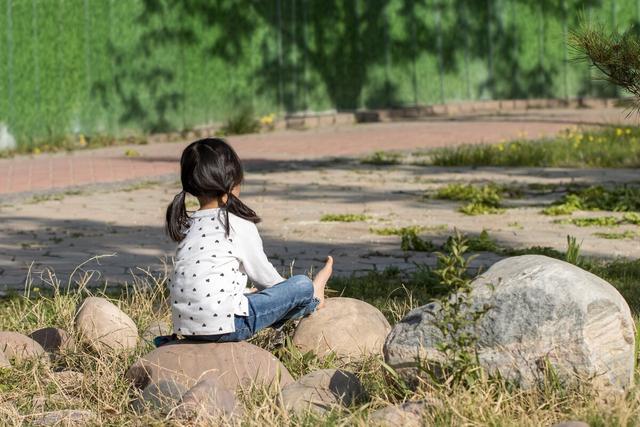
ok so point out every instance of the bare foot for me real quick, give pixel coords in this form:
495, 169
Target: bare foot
320, 281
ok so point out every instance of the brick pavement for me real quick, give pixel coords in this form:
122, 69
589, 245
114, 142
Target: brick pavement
56, 171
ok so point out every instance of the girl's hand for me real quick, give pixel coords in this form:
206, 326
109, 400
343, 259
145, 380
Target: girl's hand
251, 290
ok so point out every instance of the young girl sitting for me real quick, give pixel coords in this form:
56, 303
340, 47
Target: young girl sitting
219, 248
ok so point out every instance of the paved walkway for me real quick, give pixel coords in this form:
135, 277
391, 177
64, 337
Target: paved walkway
56, 171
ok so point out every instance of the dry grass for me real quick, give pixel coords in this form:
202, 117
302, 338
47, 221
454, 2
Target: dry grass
30, 387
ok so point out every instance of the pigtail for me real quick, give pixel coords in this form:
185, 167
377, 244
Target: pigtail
235, 206
177, 218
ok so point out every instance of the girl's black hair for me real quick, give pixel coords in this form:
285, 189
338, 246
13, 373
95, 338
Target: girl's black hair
209, 168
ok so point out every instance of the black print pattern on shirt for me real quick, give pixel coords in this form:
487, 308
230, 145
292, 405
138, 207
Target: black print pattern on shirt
192, 273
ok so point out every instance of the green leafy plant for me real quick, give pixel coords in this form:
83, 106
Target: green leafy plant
573, 251
344, 218
457, 318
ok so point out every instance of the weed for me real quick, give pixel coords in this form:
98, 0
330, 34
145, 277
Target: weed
382, 158
618, 199
482, 200
130, 152
600, 221
410, 241
573, 251
241, 122
457, 318
344, 218
397, 231
55, 144
482, 243
616, 236
609, 148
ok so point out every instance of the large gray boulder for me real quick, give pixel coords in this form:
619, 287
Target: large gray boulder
541, 312
408, 414
233, 365
18, 347
104, 326
348, 327
322, 390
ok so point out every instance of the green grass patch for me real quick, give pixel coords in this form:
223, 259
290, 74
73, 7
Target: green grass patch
484, 199
600, 221
382, 158
608, 148
344, 218
616, 236
597, 198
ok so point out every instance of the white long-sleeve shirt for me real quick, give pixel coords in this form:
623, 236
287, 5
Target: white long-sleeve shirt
210, 273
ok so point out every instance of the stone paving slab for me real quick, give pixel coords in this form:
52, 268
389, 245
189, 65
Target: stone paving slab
60, 234
55, 171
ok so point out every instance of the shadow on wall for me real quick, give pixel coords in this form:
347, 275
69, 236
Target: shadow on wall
314, 54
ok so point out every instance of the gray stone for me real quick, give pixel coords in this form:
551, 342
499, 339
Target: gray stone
408, 414
319, 391
156, 328
65, 417
18, 347
52, 340
348, 327
162, 396
207, 400
104, 326
541, 312
234, 364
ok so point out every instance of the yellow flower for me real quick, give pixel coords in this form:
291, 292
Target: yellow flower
627, 131
618, 132
82, 142
500, 147
36, 150
267, 120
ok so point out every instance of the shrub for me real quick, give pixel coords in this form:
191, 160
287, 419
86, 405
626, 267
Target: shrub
243, 121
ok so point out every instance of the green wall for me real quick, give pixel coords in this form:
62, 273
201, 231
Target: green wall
116, 66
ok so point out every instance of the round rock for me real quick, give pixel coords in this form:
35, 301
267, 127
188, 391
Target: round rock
539, 310
348, 327
207, 400
19, 347
162, 396
319, 391
408, 414
52, 340
233, 365
104, 326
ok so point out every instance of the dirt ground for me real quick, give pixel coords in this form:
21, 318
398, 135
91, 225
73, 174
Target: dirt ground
61, 231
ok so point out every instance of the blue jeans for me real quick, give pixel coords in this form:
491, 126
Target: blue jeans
291, 299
